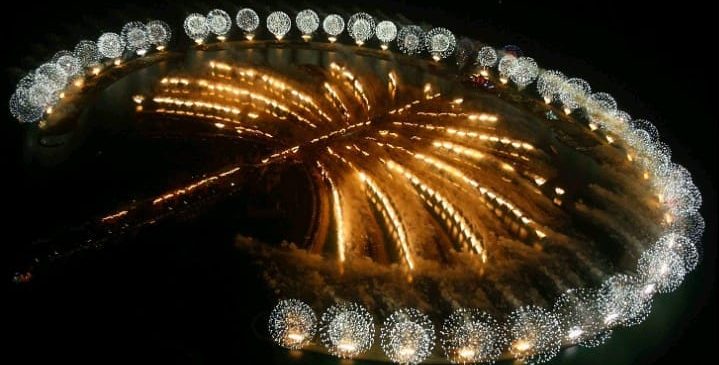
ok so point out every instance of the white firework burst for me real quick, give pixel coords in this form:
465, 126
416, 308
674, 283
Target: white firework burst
278, 23
487, 56
549, 84
87, 52
623, 300
524, 71
134, 35
219, 22
52, 76
292, 324
247, 20
407, 336
307, 21
70, 64
440, 43
40, 95
410, 40
600, 106
690, 226
580, 318
505, 66
196, 28
347, 330
470, 336
574, 92
360, 27
110, 45
662, 268
678, 193
386, 32
333, 25
22, 109
534, 334
158, 33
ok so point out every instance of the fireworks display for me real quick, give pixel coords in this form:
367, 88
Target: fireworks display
134, 35
407, 336
292, 324
470, 336
307, 22
580, 318
408, 157
247, 20
196, 27
360, 27
219, 22
333, 25
347, 330
278, 23
534, 335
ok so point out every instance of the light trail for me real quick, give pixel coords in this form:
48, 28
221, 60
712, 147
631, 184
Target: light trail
352, 83
240, 129
473, 117
391, 218
339, 220
333, 97
444, 208
275, 86
488, 194
195, 185
114, 216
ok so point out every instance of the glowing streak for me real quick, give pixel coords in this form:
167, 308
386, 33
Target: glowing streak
483, 137
295, 149
354, 84
488, 194
189, 188
227, 89
335, 99
392, 84
448, 210
274, 85
239, 129
481, 117
111, 217
339, 220
390, 216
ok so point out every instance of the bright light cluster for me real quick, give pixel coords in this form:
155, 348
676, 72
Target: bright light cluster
37, 92
386, 32
292, 324
470, 336
219, 23
407, 336
534, 334
333, 25
410, 40
580, 318
248, 21
360, 27
278, 23
347, 330
307, 22
196, 27
134, 36
440, 43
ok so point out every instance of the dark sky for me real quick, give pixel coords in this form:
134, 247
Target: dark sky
659, 60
